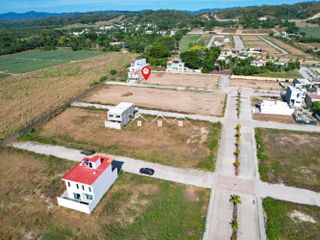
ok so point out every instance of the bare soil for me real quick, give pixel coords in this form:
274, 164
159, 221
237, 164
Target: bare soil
254, 42
186, 80
274, 118
171, 145
265, 85
170, 100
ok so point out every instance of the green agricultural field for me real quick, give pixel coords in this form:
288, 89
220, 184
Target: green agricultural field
289, 157
136, 207
187, 41
291, 221
2, 75
311, 31
37, 59
282, 74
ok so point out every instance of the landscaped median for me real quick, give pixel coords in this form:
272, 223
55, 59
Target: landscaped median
194, 145
135, 206
289, 157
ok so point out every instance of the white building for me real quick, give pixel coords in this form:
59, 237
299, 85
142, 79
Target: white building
295, 96
120, 115
135, 74
275, 107
258, 63
87, 182
176, 65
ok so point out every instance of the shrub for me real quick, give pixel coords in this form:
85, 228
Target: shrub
113, 72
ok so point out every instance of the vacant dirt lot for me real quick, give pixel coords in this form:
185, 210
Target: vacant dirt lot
134, 206
289, 157
26, 97
187, 80
254, 41
266, 85
186, 146
170, 100
274, 118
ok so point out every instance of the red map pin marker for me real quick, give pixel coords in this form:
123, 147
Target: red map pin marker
146, 72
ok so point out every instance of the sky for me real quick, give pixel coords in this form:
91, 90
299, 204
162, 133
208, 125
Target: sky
59, 6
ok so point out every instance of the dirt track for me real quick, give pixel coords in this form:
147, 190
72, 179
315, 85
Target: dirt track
170, 100
267, 85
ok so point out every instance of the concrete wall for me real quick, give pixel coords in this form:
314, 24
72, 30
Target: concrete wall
68, 203
114, 125
240, 77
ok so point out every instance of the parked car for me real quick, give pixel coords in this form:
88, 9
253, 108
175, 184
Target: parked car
88, 152
147, 171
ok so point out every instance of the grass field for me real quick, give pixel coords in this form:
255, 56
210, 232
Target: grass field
26, 97
2, 75
284, 74
136, 207
311, 31
289, 157
291, 221
187, 41
192, 146
37, 59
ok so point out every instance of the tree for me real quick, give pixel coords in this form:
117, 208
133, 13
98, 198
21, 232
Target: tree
194, 57
159, 51
316, 107
235, 199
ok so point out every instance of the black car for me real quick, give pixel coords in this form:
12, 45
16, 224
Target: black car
88, 152
147, 171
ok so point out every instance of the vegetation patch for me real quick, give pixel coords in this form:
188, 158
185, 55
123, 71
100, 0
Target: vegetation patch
289, 157
291, 221
188, 41
136, 207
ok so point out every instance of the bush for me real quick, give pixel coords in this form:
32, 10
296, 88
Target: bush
113, 72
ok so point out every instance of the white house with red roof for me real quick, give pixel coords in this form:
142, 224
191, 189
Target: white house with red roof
87, 182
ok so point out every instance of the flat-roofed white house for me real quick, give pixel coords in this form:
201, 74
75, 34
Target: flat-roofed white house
120, 115
295, 96
176, 65
275, 107
87, 182
135, 74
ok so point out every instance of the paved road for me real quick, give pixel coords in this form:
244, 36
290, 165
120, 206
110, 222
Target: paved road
209, 45
238, 43
186, 176
273, 45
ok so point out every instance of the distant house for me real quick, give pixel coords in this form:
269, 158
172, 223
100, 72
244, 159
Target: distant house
118, 44
87, 182
135, 74
258, 63
120, 115
275, 107
176, 65
295, 96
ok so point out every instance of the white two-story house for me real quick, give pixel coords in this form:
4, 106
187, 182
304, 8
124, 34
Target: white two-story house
87, 182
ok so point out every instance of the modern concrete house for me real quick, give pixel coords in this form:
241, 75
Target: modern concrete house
87, 182
135, 74
295, 96
120, 115
176, 65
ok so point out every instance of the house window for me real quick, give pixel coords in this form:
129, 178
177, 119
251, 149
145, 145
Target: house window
76, 196
69, 184
83, 187
89, 197
89, 189
77, 186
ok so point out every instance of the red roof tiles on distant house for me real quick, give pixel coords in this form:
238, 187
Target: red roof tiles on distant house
83, 174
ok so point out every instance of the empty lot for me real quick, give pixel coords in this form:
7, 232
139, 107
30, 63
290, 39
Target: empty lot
26, 97
289, 157
256, 84
255, 42
134, 207
187, 80
170, 100
192, 146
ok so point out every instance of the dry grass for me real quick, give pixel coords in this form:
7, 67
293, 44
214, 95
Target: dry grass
255, 42
274, 118
186, 80
134, 206
171, 145
265, 85
26, 97
170, 100
289, 157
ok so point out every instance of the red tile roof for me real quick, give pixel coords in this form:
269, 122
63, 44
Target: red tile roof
314, 96
83, 174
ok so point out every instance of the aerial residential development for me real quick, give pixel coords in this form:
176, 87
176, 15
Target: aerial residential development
120, 120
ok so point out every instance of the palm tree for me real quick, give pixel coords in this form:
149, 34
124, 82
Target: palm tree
235, 200
234, 224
